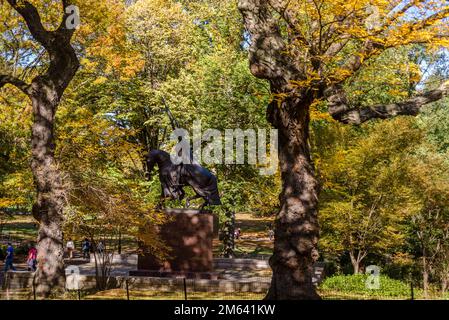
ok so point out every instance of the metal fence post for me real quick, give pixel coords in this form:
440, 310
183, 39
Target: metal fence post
412, 291
34, 286
127, 288
185, 289
7, 283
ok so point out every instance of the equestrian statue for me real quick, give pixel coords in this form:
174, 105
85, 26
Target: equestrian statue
174, 177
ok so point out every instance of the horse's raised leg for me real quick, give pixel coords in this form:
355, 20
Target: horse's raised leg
161, 203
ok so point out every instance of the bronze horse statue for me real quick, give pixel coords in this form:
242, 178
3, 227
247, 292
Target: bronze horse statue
174, 177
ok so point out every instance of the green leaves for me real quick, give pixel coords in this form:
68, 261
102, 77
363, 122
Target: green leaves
366, 196
355, 286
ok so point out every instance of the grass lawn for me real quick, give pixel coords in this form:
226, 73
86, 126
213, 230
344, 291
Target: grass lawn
254, 238
20, 228
24, 228
120, 294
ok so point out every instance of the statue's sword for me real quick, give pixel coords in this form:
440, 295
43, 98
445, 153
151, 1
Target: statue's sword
175, 124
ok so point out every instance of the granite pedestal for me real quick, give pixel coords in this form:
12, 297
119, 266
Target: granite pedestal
188, 236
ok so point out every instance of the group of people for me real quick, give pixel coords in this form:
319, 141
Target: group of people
31, 258
86, 248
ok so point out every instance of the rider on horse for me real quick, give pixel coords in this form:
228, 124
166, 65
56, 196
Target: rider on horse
174, 177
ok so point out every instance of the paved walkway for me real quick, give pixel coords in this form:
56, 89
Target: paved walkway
87, 267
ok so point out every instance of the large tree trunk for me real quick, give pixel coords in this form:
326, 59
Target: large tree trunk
297, 230
45, 92
48, 208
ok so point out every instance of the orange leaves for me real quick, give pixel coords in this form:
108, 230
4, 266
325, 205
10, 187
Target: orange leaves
339, 37
316, 115
318, 112
103, 34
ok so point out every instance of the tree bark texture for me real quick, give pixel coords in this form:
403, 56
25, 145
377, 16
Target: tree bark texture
296, 226
45, 92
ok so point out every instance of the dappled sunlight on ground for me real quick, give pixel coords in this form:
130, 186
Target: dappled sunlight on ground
120, 294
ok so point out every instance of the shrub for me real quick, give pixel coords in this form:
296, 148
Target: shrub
22, 249
356, 285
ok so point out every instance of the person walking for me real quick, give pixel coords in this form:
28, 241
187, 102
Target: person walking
9, 258
238, 233
70, 248
86, 248
271, 234
32, 258
100, 247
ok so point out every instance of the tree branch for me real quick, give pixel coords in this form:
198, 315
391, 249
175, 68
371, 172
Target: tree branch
372, 48
340, 109
356, 61
62, 29
267, 52
33, 21
20, 84
63, 60
289, 17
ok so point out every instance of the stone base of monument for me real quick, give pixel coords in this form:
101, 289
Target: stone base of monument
174, 274
188, 236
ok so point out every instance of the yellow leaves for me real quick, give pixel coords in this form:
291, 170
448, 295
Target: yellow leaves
7, 203
415, 74
100, 80
403, 259
316, 115
163, 33
312, 77
342, 35
341, 73
50, 11
15, 190
104, 36
279, 98
430, 175
102, 33
318, 112
398, 93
